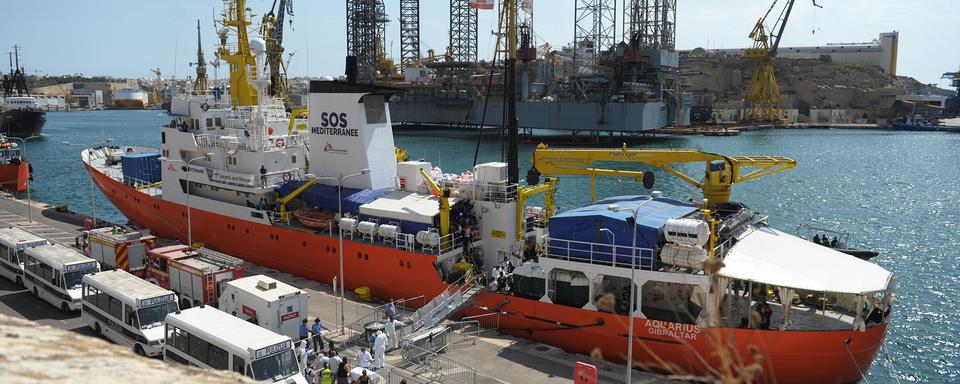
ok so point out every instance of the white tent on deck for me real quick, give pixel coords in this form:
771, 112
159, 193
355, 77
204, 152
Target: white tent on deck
766, 255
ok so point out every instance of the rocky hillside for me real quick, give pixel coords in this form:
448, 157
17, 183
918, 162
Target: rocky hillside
804, 83
30, 353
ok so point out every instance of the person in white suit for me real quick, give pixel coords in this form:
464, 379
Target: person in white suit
390, 328
379, 349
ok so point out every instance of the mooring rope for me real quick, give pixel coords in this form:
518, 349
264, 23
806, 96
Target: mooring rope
862, 375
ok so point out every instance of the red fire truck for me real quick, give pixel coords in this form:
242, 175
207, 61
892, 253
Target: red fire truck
117, 248
196, 275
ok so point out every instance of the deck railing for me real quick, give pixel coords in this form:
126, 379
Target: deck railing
601, 253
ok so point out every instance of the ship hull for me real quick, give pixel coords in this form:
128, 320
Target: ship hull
389, 273
676, 348
14, 177
128, 104
22, 123
788, 356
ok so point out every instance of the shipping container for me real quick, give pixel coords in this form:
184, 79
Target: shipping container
140, 168
266, 302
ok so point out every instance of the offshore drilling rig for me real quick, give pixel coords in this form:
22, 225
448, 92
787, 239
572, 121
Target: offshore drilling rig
602, 82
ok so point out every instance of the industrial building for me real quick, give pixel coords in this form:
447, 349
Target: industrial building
880, 53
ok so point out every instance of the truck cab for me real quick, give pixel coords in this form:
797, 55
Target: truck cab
197, 275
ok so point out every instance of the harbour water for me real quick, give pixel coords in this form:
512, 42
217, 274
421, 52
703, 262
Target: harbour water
895, 192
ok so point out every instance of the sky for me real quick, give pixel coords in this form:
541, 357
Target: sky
125, 38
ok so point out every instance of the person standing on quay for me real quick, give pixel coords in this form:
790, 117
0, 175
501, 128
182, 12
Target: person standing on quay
335, 361
379, 349
317, 337
309, 374
343, 372
364, 358
326, 375
304, 333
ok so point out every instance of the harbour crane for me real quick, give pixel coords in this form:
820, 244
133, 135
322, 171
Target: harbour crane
271, 28
201, 83
157, 86
955, 77
763, 94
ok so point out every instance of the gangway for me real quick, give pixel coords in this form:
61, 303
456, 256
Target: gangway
448, 302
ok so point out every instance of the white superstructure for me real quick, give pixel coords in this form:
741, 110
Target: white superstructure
20, 102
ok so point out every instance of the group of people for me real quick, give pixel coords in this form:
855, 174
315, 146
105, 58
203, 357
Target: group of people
332, 368
501, 278
826, 241
329, 367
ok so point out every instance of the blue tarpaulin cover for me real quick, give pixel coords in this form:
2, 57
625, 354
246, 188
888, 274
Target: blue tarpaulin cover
325, 196
583, 225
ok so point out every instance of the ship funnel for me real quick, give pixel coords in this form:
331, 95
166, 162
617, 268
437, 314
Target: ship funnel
352, 134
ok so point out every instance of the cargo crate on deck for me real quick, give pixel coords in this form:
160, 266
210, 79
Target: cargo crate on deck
140, 167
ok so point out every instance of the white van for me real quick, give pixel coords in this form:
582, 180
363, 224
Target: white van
53, 273
127, 310
13, 241
209, 338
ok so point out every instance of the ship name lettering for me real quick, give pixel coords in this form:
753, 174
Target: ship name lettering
673, 330
333, 119
335, 131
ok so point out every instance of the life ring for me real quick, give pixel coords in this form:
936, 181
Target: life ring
281, 143
205, 107
287, 176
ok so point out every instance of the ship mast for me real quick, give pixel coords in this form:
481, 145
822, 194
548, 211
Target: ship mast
201, 83
242, 62
510, 91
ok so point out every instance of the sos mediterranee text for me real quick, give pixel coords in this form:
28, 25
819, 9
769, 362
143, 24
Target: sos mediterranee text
334, 124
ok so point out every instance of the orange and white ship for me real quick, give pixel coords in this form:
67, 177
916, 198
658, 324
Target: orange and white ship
717, 292
130, 98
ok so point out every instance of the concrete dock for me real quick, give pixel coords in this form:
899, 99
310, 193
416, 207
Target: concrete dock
475, 355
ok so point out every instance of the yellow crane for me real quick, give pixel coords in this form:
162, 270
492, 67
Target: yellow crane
157, 93
443, 195
242, 63
763, 94
721, 172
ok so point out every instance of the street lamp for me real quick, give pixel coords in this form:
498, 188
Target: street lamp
613, 239
93, 199
633, 267
187, 166
27, 158
339, 179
